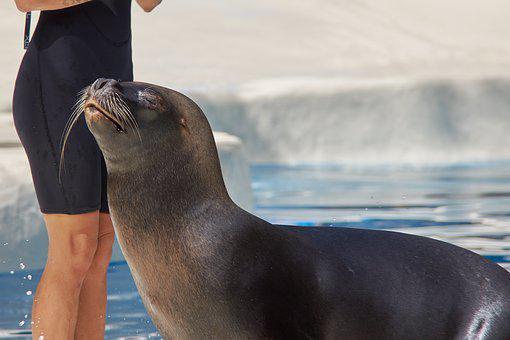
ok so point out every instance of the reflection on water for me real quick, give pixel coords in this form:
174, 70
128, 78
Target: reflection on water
466, 205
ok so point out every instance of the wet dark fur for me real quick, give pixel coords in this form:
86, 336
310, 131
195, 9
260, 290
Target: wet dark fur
207, 269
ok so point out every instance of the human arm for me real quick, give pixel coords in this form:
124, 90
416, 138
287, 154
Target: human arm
41, 5
148, 5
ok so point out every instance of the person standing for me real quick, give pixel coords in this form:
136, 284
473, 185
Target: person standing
75, 42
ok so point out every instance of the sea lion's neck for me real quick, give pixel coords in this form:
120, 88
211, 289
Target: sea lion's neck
174, 192
188, 214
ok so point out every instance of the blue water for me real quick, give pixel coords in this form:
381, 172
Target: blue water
468, 205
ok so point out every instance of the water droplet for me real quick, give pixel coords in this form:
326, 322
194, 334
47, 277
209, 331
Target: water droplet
29, 292
11, 272
21, 323
41, 337
22, 265
29, 277
26, 316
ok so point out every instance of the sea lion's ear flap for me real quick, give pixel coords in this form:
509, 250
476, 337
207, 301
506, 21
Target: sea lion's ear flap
183, 123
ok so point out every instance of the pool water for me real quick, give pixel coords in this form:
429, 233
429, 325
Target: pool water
468, 205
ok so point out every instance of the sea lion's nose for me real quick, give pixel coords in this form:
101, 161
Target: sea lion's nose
103, 82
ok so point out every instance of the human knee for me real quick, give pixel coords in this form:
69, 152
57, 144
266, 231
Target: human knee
72, 243
81, 253
104, 251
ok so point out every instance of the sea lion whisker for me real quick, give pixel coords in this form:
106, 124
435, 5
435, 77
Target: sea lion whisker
127, 115
127, 110
136, 127
104, 107
116, 110
122, 114
79, 102
132, 123
72, 121
109, 107
83, 91
76, 110
113, 109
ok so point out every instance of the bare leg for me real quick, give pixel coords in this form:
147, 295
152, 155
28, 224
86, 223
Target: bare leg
72, 245
92, 308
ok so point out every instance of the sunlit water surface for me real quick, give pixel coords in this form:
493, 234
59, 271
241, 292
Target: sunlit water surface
468, 205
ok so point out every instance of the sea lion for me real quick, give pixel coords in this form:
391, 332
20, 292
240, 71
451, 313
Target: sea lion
206, 269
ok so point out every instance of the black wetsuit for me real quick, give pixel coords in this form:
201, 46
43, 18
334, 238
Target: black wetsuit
69, 50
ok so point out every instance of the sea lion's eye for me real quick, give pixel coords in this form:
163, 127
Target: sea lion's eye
150, 98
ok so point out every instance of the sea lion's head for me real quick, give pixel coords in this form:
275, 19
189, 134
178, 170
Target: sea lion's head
125, 115
142, 125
